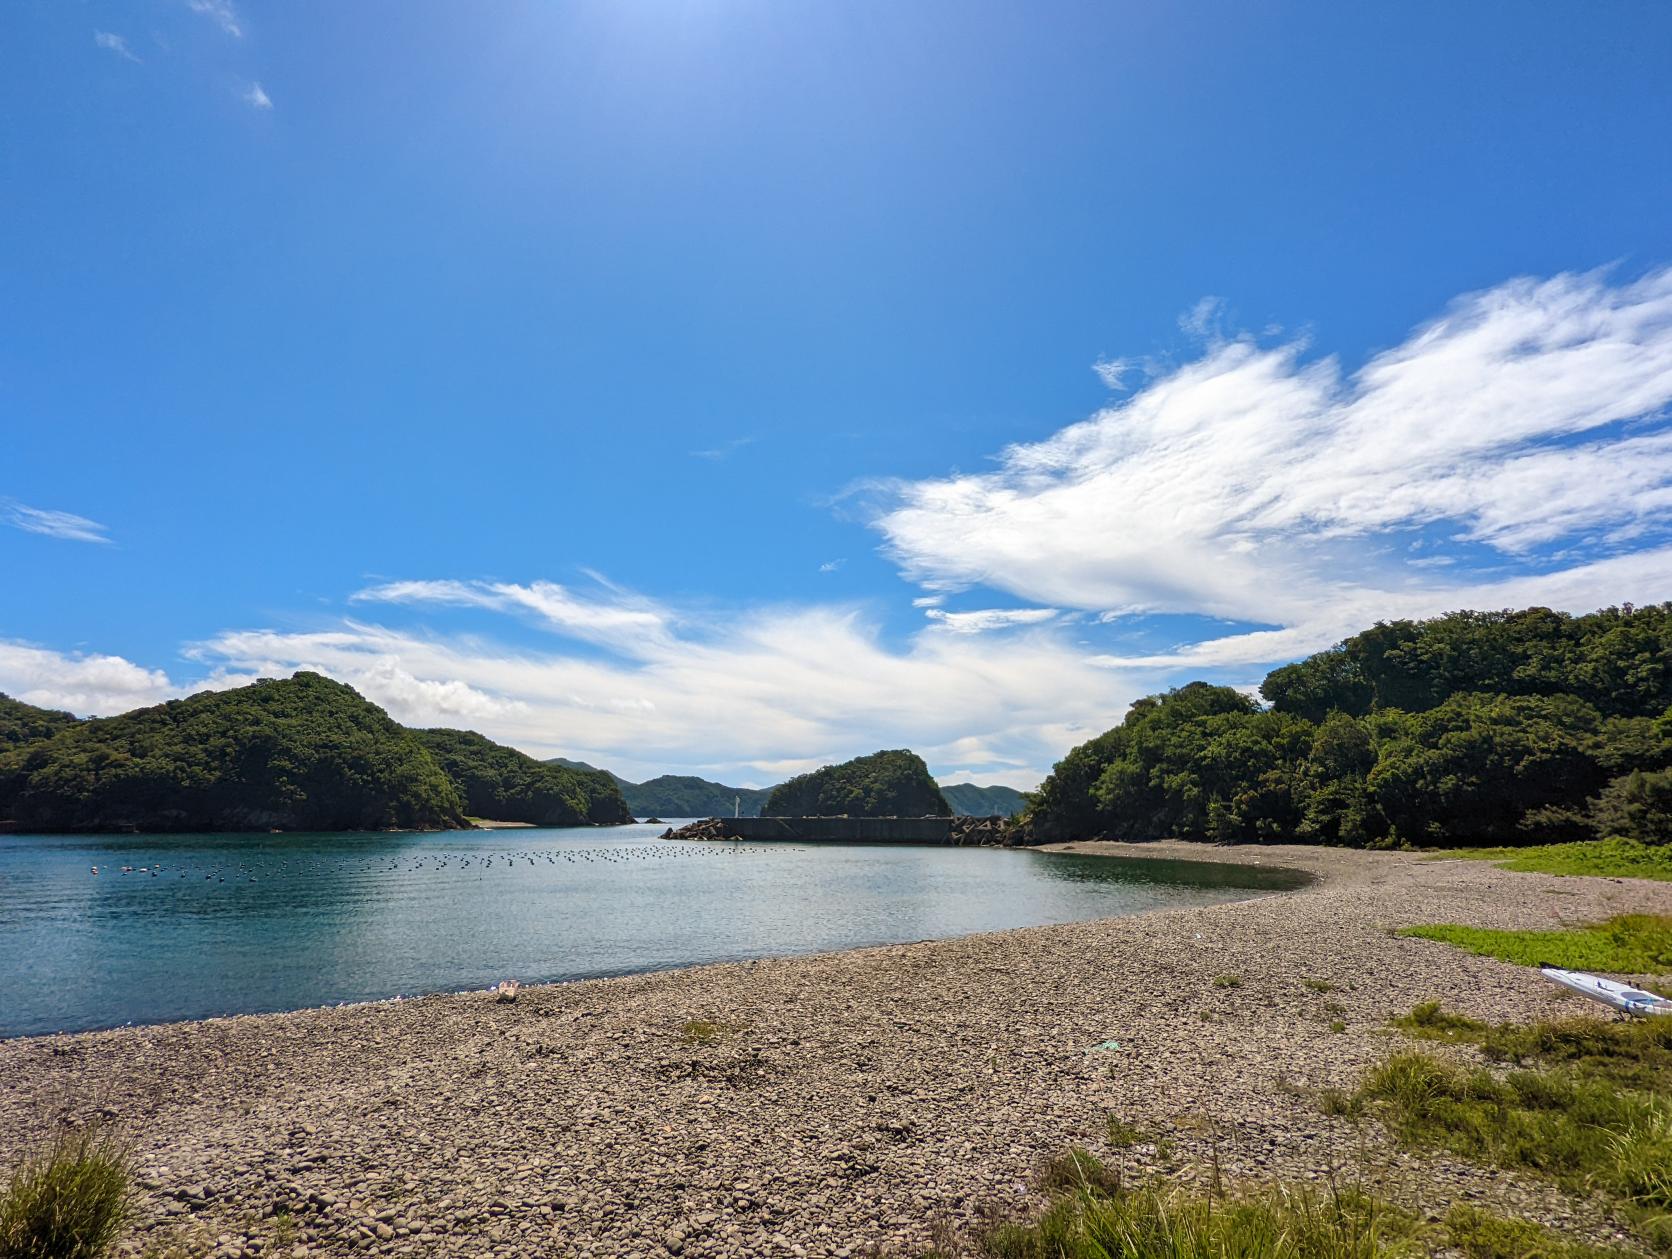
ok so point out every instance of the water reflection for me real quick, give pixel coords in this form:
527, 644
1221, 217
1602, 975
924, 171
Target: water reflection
216, 924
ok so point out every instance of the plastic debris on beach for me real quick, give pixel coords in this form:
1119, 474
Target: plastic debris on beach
506, 990
1108, 1046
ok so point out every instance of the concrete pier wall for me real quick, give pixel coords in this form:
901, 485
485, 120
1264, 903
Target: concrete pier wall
842, 830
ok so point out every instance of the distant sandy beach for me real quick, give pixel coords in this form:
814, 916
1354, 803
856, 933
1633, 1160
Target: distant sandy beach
825, 1105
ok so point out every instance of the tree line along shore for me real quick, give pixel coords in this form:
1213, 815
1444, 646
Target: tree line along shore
1474, 728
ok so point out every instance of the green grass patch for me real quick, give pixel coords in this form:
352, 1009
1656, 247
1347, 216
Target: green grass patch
1600, 858
1227, 981
1480, 1234
1630, 944
1585, 1102
1094, 1216
69, 1200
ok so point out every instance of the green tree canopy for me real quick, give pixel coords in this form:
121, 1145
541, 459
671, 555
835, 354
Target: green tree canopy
503, 784
304, 753
884, 784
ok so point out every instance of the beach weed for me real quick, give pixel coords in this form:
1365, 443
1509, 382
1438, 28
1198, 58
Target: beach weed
1122, 1135
1227, 981
704, 1031
1319, 985
1337, 1026
69, 1199
1427, 1021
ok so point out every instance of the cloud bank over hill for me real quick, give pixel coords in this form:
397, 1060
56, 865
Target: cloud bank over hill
1515, 451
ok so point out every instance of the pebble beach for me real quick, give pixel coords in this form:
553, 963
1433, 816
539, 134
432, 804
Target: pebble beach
880, 1100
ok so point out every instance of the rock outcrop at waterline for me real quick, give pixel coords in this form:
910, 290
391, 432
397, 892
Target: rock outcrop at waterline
963, 832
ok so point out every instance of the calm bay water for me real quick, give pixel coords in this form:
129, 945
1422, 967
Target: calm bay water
204, 925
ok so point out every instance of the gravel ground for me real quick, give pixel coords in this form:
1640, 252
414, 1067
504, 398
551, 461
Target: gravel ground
845, 1103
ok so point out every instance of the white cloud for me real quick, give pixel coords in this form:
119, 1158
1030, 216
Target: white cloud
87, 685
749, 696
221, 13
52, 524
1255, 485
831, 566
618, 621
979, 622
256, 98
114, 44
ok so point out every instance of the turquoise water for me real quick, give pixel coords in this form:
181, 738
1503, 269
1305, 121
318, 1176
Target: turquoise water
205, 925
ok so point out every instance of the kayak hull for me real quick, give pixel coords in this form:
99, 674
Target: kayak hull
1616, 996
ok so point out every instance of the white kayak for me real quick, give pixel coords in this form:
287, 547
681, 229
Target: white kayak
1621, 997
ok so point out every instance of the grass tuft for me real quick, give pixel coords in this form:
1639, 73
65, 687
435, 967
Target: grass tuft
1632, 944
1227, 981
1096, 1217
1427, 1021
1122, 1135
1480, 1234
704, 1031
69, 1200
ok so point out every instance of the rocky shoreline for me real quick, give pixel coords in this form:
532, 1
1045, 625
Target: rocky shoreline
820, 1105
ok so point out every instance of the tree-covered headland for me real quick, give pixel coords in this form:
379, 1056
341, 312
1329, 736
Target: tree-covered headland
885, 784
1471, 728
301, 753
504, 784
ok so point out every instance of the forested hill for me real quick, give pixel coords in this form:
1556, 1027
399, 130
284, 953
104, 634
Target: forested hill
884, 784
680, 795
504, 784
23, 723
304, 753
968, 800
677, 795
1477, 727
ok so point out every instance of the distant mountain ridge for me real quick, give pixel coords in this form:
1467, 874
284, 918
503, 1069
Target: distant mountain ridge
968, 800
685, 795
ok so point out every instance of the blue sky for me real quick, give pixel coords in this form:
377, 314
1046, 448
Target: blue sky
728, 387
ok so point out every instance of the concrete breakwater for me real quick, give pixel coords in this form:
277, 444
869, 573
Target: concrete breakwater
962, 831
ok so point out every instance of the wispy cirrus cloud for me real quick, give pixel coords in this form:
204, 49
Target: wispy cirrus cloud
1525, 430
113, 43
256, 98
981, 620
221, 13
51, 524
725, 450
618, 619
